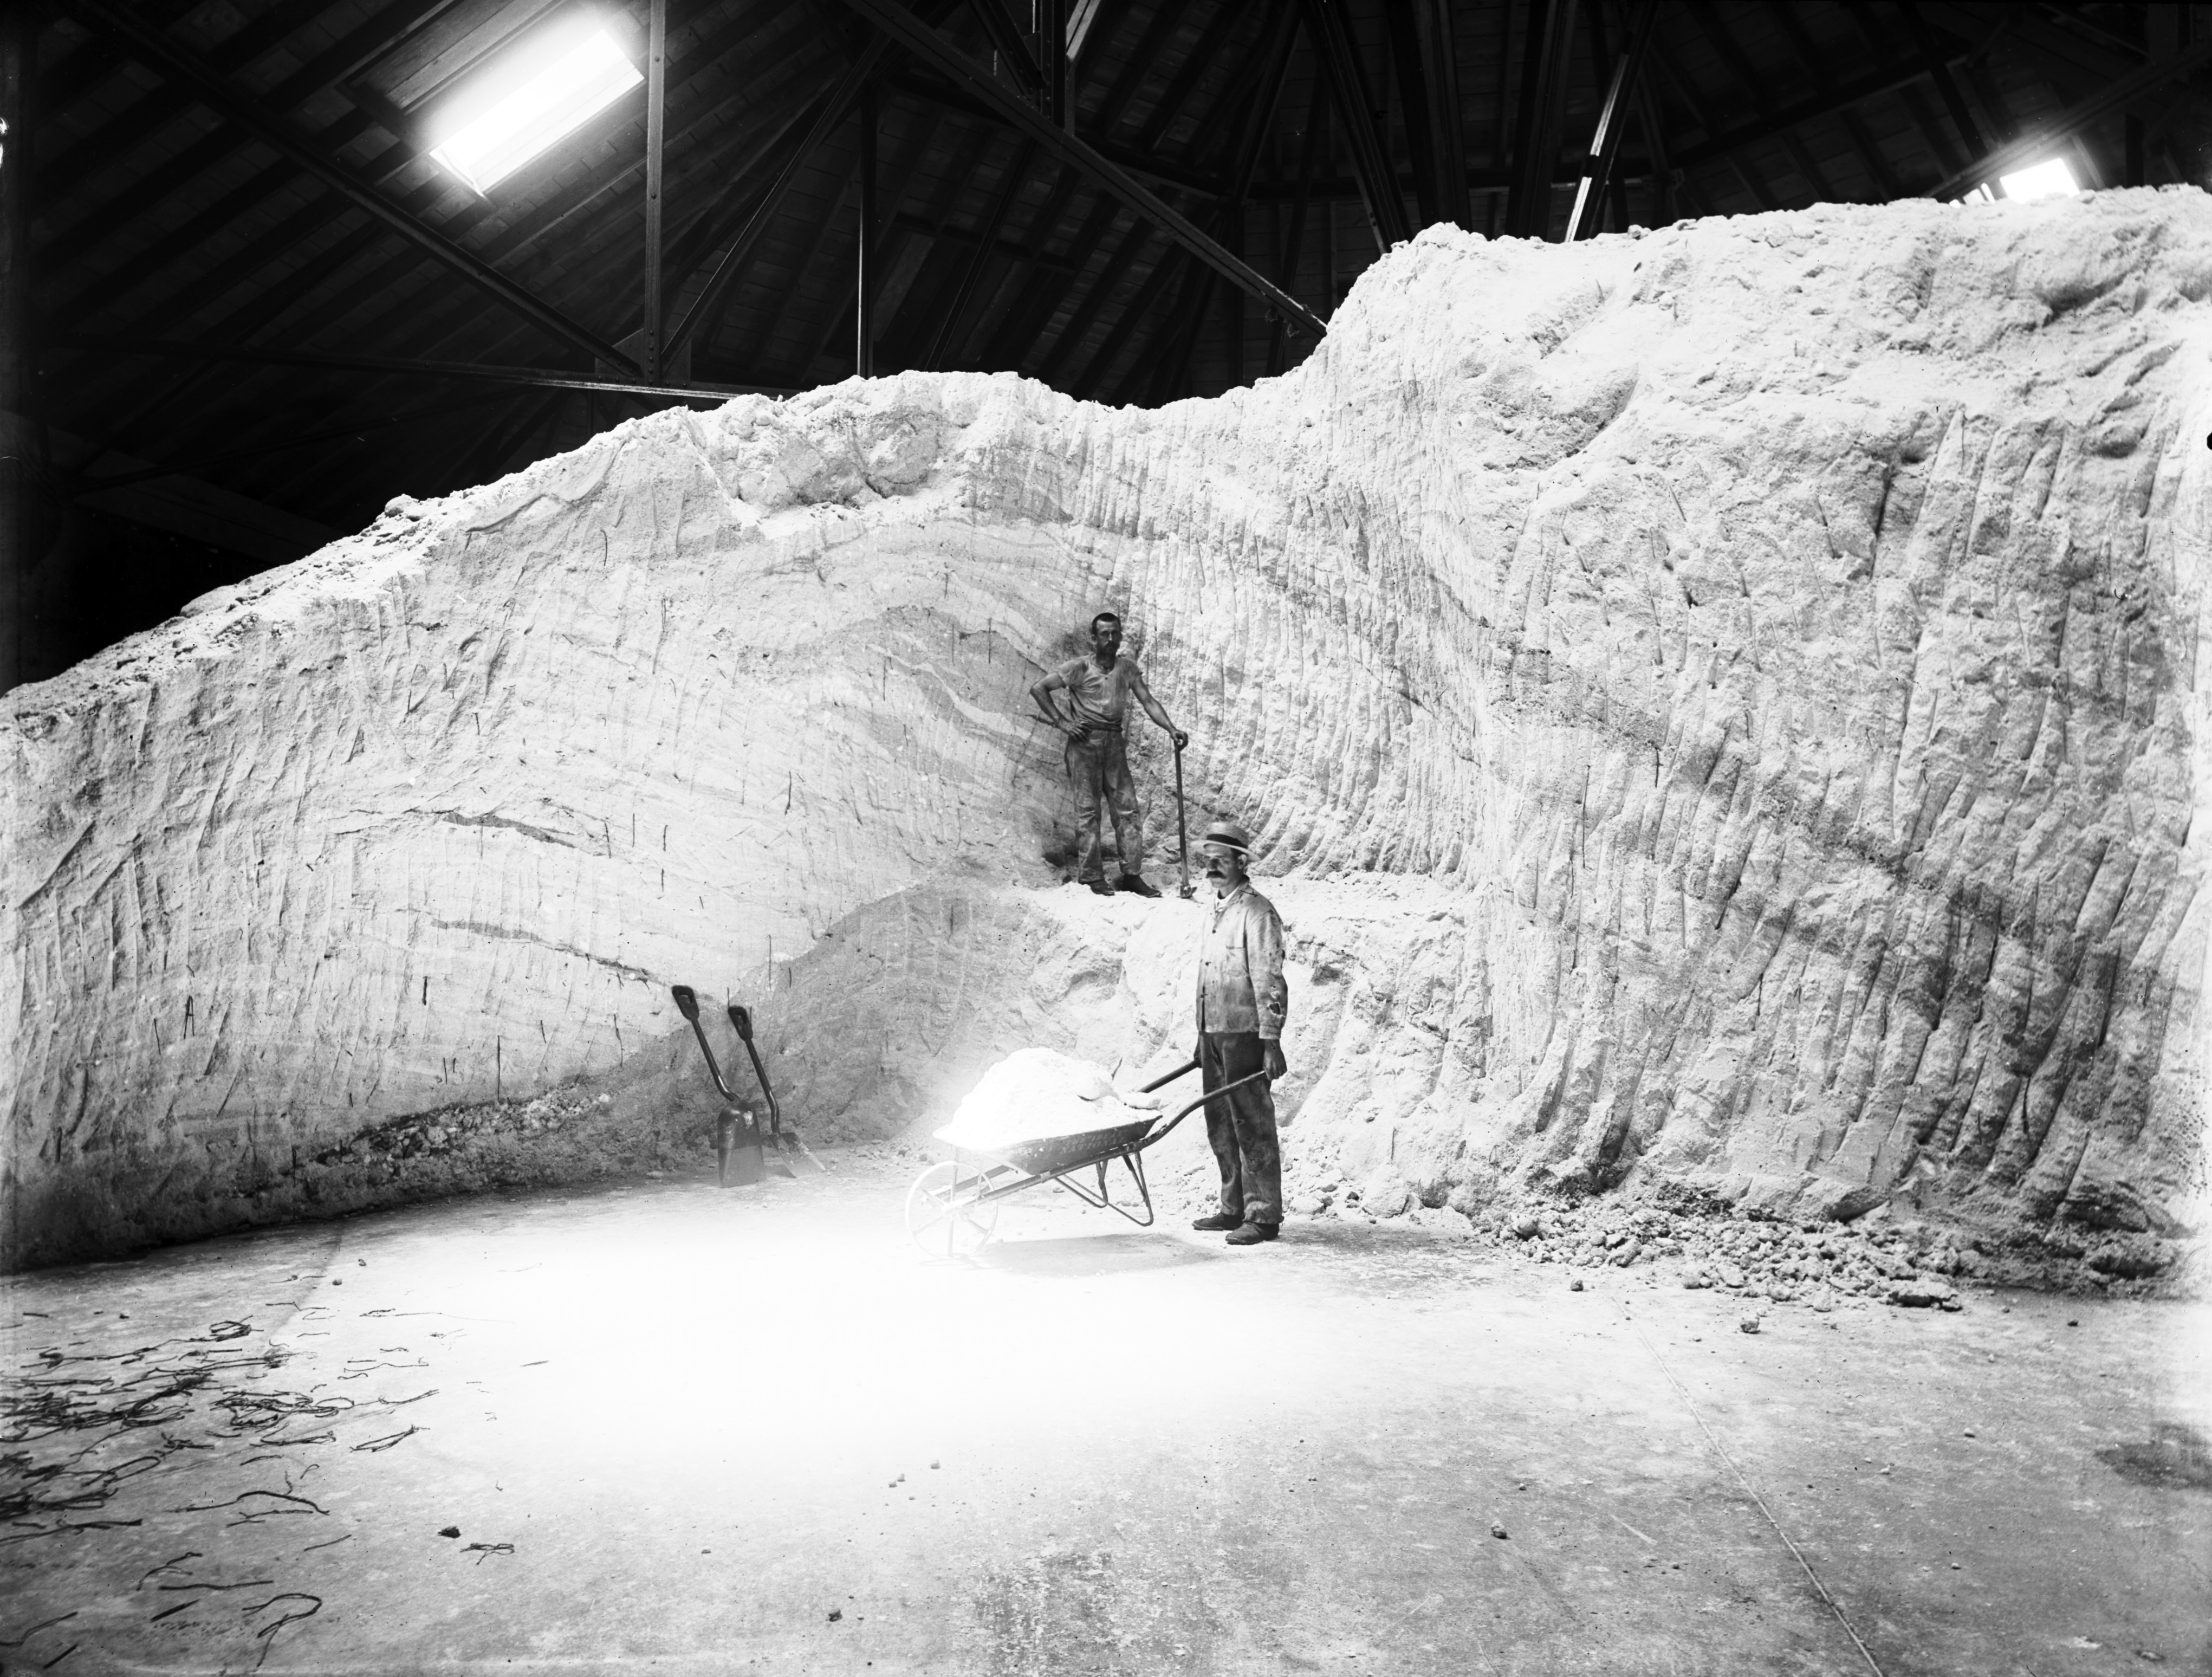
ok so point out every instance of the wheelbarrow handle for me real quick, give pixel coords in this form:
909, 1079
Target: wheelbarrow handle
1184, 1070
687, 1004
1211, 1094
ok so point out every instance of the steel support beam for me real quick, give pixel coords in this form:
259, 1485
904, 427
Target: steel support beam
895, 21
158, 51
864, 247
656, 123
2075, 117
1007, 41
1543, 107
18, 43
1052, 61
1294, 237
1612, 123
1329, 29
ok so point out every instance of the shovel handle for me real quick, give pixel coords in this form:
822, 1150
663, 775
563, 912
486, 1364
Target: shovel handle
744, 1022
1184, 1070
1182, 831
687, 1004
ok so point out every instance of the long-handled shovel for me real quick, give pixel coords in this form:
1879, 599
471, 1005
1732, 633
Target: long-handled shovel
787, 1141
1182, 829
736, 1130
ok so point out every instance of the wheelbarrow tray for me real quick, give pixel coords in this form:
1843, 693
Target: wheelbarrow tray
1049, 1155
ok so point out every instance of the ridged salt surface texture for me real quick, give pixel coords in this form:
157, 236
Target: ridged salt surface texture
1719, 707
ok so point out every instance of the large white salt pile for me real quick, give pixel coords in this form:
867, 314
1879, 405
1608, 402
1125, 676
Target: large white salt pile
1727, 702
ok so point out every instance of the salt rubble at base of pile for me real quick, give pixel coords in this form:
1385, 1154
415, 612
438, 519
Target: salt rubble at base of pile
1727, 703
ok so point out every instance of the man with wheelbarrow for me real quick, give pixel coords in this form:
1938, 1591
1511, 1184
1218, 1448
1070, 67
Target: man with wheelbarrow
1242, 1002
1099, 689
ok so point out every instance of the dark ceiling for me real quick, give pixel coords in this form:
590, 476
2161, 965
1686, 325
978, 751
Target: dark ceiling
247, 307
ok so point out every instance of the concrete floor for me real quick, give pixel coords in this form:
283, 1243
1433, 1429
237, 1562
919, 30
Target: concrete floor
756, 1430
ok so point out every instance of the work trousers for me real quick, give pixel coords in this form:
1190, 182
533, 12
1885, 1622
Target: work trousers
1098, 768
1240, 1125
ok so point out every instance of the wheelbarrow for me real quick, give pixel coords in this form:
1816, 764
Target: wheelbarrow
736, 1129
953, 1206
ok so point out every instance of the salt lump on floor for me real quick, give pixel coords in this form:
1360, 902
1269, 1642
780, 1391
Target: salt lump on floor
1036, 1093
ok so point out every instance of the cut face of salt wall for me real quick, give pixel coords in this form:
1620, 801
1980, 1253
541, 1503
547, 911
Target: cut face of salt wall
1719, 707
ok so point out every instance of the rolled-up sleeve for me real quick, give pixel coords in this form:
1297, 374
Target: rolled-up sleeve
1263, 958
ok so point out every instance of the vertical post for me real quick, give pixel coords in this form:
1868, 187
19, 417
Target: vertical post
1611, 121
18, 48
1052, 60
1543, 103
1441, 54
1233, 325
1655, 144
656, 114
1328, 221
864, 295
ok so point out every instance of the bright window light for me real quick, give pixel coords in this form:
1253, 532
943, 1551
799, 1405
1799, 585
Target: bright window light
2050, 178
542, 96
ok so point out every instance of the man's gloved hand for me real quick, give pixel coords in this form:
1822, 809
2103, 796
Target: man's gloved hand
1277, 1066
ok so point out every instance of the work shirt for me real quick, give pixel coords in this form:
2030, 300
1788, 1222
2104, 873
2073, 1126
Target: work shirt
1099, 698
1240, 967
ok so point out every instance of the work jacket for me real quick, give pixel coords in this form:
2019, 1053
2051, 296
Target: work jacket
1240, 967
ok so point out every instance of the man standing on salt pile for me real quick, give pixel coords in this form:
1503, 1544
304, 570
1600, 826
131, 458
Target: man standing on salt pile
1099, 689
1242, 1002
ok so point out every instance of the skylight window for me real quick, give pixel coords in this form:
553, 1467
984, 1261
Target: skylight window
541, 96
2050, 178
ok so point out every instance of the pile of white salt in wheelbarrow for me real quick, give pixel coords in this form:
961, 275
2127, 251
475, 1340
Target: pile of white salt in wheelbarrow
1036, 1093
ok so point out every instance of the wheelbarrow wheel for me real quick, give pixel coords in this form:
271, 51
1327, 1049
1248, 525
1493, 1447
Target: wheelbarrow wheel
944, 1214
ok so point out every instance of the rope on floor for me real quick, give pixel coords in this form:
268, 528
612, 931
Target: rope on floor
1683, 1392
